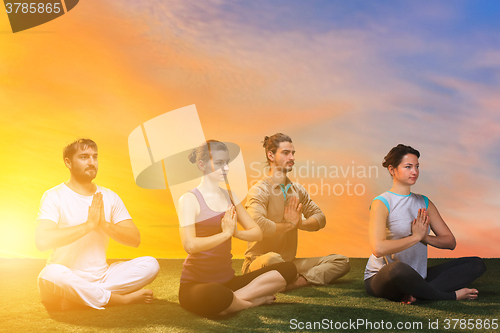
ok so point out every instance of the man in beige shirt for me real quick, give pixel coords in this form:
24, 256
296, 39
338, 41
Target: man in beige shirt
277, 205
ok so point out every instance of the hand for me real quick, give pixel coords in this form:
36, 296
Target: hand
103, 224
228, 222
293, 211
420, 225
95, 211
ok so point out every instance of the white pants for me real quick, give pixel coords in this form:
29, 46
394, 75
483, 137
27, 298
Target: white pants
94, 289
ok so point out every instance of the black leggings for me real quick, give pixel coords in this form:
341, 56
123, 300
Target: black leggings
208, 299
397, 279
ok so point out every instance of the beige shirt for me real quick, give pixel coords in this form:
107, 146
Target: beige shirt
266, 205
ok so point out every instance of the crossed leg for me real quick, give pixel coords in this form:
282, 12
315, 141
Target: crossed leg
259, 291
312, 271
258, 287
119, 284
239, 293
399, 282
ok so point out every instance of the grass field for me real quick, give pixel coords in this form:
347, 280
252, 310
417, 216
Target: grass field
21, 310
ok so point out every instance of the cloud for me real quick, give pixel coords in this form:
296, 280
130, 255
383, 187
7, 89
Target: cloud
346, 81
362, 87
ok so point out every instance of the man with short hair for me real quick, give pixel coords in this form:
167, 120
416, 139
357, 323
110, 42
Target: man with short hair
277, 205
75, 220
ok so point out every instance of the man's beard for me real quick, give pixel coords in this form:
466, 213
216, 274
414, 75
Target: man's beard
84, 177
284, 170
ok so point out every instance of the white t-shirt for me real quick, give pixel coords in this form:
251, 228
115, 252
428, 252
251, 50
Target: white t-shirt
68, 208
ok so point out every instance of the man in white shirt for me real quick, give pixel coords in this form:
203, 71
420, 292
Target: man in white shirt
75, 220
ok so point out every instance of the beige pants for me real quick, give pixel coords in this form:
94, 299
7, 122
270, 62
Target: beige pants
317, 270
94, 290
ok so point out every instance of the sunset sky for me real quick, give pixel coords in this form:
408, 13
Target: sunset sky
347, 80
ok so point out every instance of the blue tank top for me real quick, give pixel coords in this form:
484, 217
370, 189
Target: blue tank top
213, 265
402, 210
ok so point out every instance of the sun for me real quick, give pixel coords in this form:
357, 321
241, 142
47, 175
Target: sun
17, 239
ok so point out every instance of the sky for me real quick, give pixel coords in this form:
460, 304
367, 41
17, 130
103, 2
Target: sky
346, 80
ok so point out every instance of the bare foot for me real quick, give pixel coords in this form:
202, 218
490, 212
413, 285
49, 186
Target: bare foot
408, 299
466, 293
263, 300
139, 296
298, 283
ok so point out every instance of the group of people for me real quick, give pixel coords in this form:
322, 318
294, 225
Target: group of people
77, 218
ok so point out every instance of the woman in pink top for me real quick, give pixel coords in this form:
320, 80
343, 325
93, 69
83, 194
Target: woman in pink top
208, 221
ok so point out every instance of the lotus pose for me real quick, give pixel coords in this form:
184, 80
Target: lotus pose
399, 234
76, 220
207, 223
281, 208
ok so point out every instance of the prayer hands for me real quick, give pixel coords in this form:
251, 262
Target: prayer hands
420, 225
95, 209
293, 211
103, 224
228, 222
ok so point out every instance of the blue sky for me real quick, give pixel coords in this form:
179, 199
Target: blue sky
347, 80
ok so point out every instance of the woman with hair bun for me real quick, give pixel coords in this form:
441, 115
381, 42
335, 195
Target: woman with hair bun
207, 223
399, 234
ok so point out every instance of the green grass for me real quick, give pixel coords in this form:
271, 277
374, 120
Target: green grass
21, 310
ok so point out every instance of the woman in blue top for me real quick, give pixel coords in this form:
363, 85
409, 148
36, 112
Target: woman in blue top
399, 234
